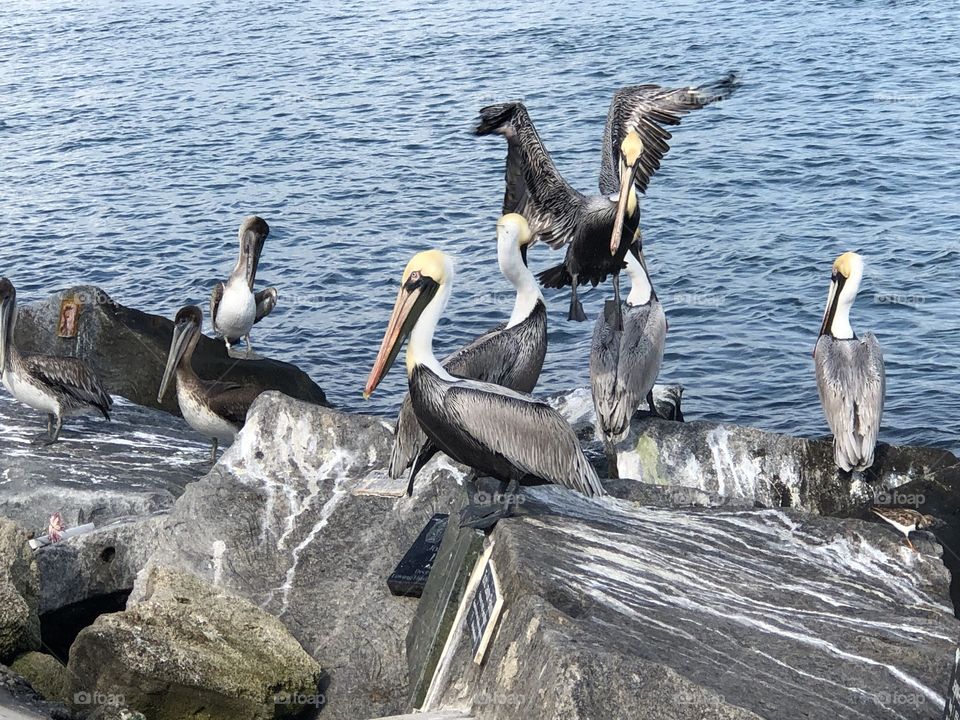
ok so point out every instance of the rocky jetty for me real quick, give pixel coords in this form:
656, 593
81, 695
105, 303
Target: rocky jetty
734, 576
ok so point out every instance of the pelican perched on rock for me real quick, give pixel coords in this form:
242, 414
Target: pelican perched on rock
234, 307
850, 374
624, 364
496, 431
596, 229
213, 408
511, 354
57, 386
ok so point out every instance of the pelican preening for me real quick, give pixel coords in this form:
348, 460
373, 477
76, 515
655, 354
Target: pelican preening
596, 229
234, 307
213, 408
850, 374
511, 354
624, 364
496, 431
57, 386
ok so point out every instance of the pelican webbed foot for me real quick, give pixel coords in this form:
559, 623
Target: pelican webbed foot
613, 472
576, 307
249, 346
483, 511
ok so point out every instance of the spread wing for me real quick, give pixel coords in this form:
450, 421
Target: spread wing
535, 188
527, 432
647, 109
266, 301
72, 377
852, 384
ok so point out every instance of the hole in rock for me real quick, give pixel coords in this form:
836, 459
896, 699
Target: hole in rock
108, 553
59, 628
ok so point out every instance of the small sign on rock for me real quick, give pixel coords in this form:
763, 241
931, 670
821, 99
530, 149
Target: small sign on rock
484, 611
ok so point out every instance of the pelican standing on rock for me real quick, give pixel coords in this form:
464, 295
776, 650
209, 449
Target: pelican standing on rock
234, 307
624, 364
596, 229
511, 354
850, 374
496, 431
213, 408
57, 386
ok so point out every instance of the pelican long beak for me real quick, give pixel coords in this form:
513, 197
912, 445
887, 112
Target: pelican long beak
412, 299
626, 183
182, 333
5, 317
833, 299
252, 247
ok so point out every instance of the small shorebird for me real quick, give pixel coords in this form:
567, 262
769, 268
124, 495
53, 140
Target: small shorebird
234, 307
57, 386
624, 364
905, 520
850, 373
213, 408
596, 229
511, 354
512, 437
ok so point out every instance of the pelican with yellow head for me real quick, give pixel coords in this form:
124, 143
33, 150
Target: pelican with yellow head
499, 432
850, 373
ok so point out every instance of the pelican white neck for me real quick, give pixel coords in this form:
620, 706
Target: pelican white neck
516, 271
840, 327
420, 344
640, 287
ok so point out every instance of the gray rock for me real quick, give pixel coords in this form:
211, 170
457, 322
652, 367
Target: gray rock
128, 349
623, 612
135, 465
19, 594
45, 674
278, 522
20, 701
187, 649
98, 563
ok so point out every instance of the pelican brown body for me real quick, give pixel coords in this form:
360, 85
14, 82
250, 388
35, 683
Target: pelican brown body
213, 408
57, 386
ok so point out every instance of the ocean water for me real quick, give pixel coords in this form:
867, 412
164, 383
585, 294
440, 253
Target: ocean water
135, 137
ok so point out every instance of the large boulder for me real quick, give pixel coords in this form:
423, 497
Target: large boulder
45, 674
186, 649
19, 594
128, 349
287, 520
630, 613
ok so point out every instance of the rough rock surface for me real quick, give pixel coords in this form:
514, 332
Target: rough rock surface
186, 649
640, 613
133, 466
45, 674
19, 701
128, 349
19, 593
277, 522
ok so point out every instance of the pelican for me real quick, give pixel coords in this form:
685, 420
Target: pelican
496, 431
624, 363
850, 375
511, 354
213, 408
596, 229
57, 386
234, 307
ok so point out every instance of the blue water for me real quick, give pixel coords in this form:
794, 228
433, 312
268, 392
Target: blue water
134, 139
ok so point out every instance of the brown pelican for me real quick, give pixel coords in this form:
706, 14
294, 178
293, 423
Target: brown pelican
57, 386
850, 375
624, 363
906, 520
211, 407
234, 307
511, 354
597, 229
496, 431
